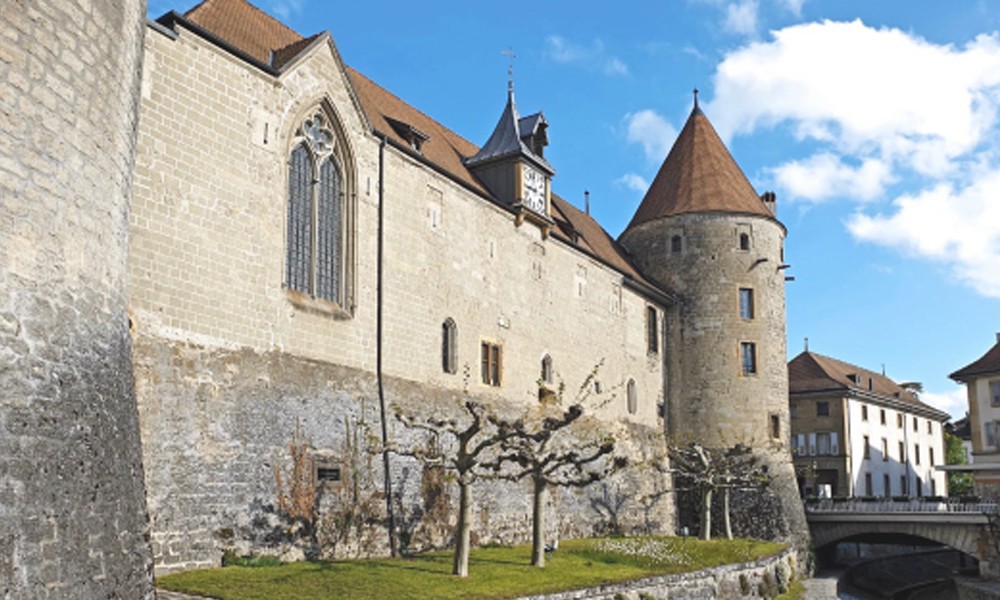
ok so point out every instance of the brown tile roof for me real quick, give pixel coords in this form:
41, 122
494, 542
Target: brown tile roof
244, 26
257, 34
811, 372
987, 363
698, 175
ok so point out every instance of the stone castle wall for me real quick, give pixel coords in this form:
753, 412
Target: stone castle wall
229, 363
710, 398
72, 509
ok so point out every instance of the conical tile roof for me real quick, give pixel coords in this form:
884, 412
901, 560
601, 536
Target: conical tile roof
698, 175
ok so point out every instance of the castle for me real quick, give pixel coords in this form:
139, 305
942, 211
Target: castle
218, 236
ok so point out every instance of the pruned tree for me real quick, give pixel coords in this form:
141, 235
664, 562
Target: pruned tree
551, 447
458, 445
706, 471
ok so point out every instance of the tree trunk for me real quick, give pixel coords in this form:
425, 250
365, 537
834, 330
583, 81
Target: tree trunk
726, 520
461, 567
538, 523
706, 515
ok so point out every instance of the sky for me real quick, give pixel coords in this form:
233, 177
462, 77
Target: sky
877, 124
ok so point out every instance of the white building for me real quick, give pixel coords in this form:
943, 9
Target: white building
858, 433
982, 380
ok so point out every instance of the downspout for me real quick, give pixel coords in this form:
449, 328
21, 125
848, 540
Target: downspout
393, 543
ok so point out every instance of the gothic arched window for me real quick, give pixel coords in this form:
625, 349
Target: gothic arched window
316, 228
449, 347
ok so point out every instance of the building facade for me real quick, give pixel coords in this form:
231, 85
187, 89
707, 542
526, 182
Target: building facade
982, 381
856, 432
299, 256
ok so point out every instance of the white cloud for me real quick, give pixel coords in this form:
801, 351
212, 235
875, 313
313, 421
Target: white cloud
825, 175
593, 56
655, 133
957, 226
793, 6
634, 182
741, 17
954, 401
285, 9
880, 107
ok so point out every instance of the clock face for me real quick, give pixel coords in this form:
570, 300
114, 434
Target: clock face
534, 189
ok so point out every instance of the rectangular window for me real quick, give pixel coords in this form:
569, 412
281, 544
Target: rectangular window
812, 444
899, 420
995, 393
793, 409
916, 425
991, 430
823, 444
885, 450
868, 448
868, 484
748, 358
881, 415
746, 303
930, 457
886, 486
864, 412
902, 485
916, 453
801, 440
933, 487
491, 364
930, 426
822, 409
775, 427
652, 331
902, 452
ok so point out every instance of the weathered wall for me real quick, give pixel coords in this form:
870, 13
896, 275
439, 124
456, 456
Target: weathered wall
72, 513
709, 398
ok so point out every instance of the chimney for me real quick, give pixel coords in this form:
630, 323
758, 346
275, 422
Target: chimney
998, 337
770, 201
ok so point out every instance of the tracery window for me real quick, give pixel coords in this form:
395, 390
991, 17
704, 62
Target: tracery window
316, 221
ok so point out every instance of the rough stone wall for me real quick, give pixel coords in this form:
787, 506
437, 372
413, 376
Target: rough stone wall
228, 363
72, 512
709, 398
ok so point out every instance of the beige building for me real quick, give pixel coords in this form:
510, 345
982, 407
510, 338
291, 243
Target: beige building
982, 381
856, 432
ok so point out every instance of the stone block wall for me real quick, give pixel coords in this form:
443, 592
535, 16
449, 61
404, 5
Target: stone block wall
72, 509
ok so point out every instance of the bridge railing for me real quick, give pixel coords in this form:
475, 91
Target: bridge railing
890, 505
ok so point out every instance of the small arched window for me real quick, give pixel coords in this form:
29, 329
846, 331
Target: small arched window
547, 369
744, 241
675, 244
632, 395
449, 347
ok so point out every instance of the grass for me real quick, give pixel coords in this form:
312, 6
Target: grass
494, 572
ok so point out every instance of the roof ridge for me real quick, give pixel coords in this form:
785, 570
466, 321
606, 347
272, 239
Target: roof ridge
397, 97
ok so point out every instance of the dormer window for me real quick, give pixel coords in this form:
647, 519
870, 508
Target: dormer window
413, 136
533, 131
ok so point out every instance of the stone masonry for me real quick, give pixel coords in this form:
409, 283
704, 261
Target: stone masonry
72, 506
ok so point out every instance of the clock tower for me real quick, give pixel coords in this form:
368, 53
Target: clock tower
512, 167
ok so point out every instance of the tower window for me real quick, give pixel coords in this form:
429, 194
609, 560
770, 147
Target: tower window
748, 358
547, 369
744, 241
746, 303
449, 347
652, 331
491, 363
632, 395
675, 244
775, 427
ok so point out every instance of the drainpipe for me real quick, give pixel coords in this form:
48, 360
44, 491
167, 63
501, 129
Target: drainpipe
393, 543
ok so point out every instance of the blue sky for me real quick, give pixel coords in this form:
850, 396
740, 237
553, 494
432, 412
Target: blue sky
876, 123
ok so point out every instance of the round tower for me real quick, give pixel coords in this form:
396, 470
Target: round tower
72, 506
704, 234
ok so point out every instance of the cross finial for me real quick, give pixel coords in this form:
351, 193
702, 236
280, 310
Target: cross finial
509, 53
696, 97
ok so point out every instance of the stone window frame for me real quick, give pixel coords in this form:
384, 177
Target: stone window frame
449, 346
319, 133
745, 303
491, 363
748, 359
774, 422
652, 330
632, 397
744, 237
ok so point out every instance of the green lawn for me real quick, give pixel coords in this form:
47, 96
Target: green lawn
497, 572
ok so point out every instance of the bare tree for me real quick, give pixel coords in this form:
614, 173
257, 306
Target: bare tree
706, 471
468, 439
550, 446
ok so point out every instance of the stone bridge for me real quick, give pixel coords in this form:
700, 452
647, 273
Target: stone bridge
964, 527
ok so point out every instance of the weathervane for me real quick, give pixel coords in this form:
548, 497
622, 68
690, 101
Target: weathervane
696, 97
509, 53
